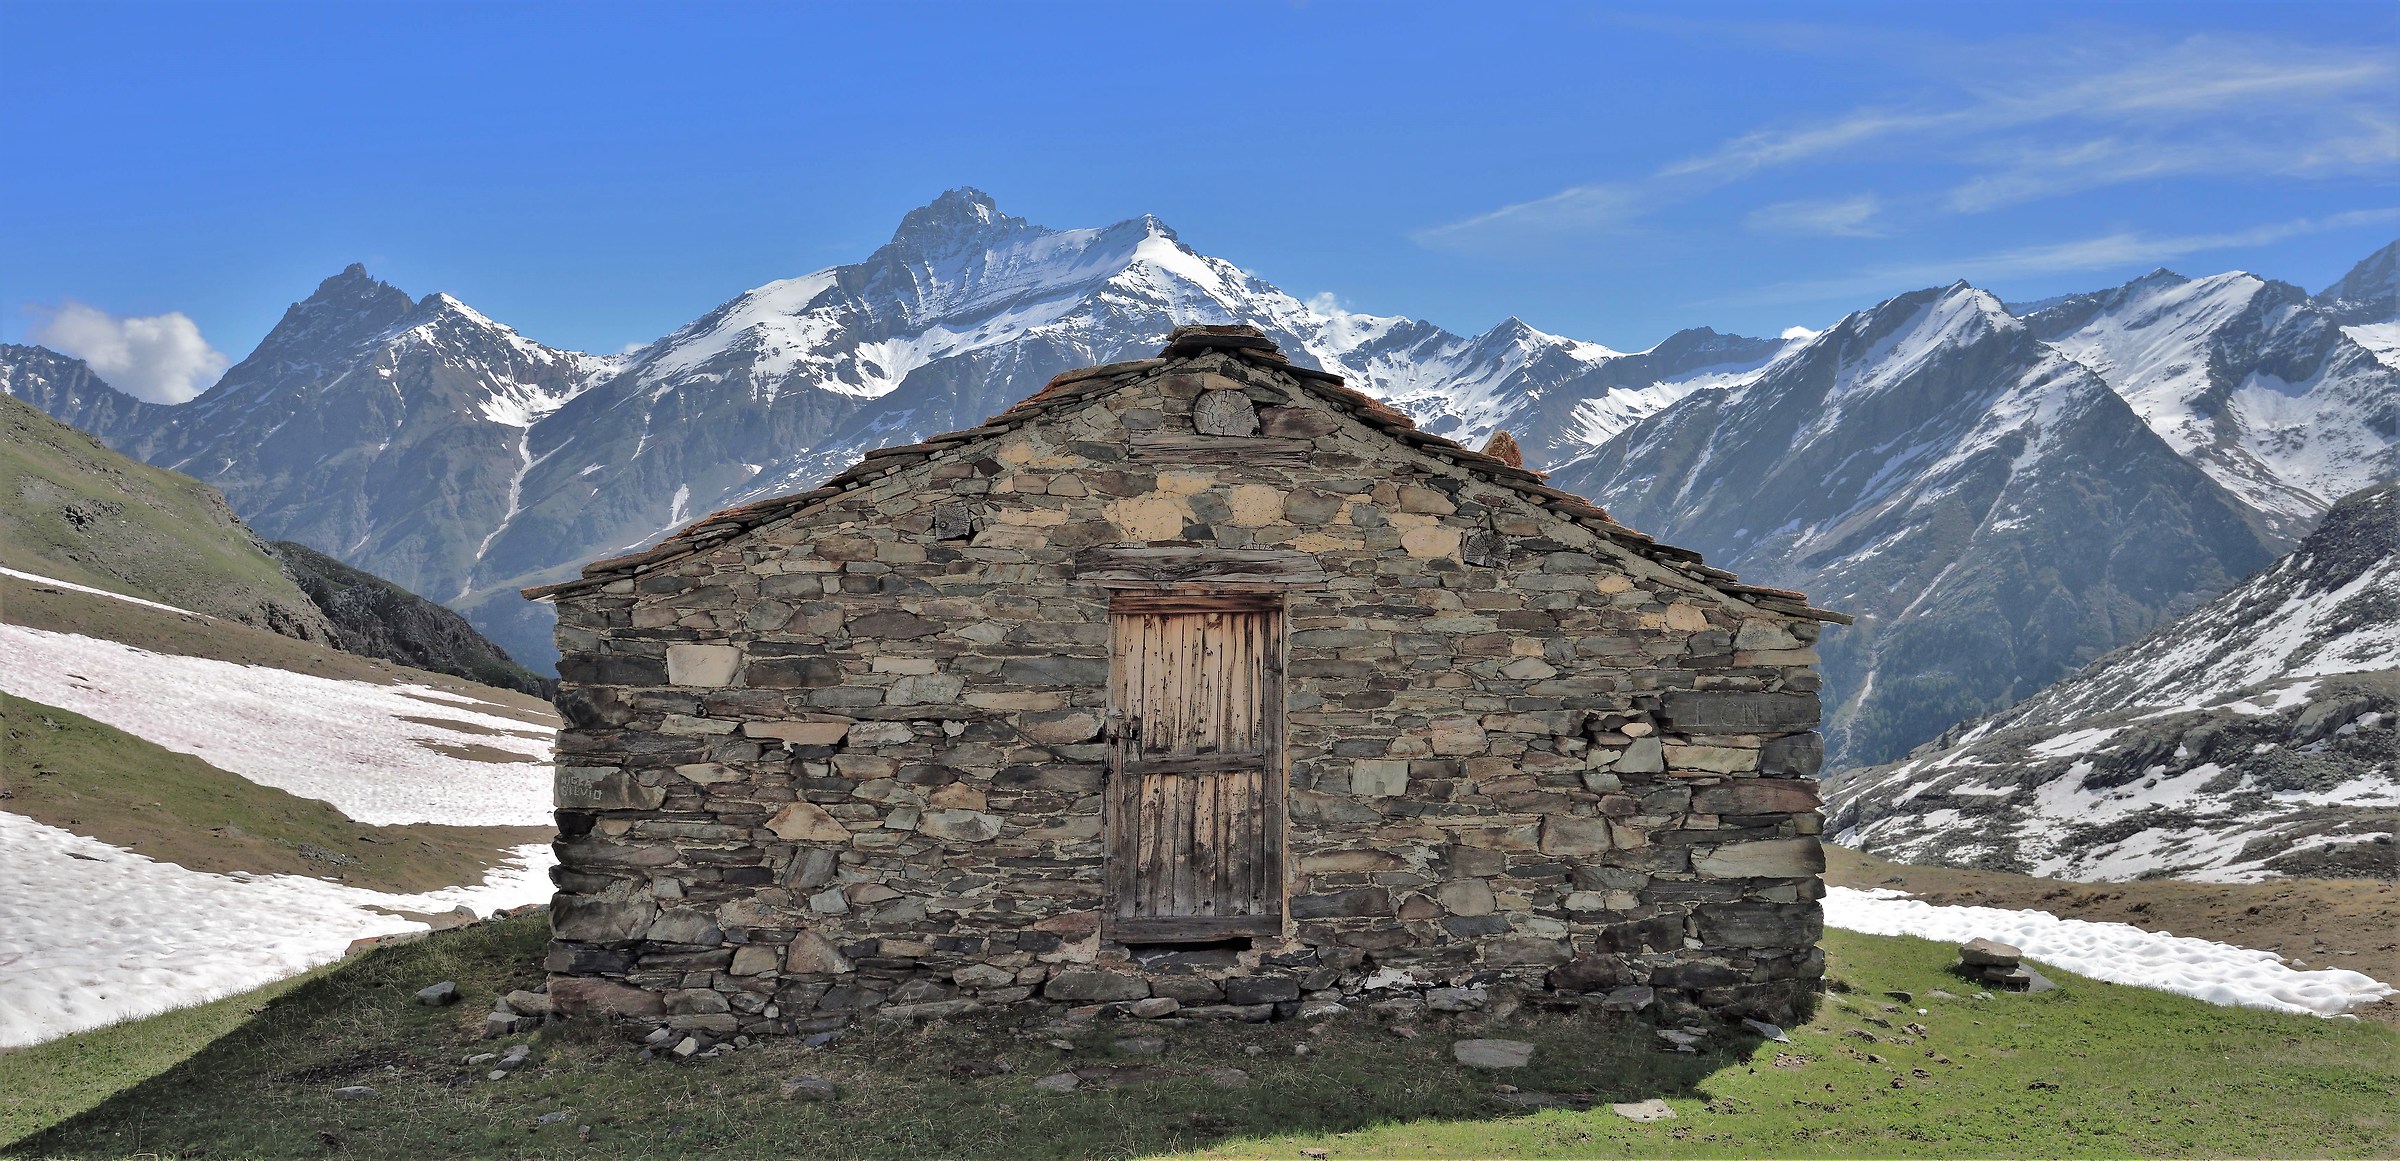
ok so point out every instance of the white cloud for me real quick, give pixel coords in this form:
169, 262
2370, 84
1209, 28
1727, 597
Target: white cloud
1586, 209
1846, 218
1798, 332
158, 358
2024, 121
2119, 251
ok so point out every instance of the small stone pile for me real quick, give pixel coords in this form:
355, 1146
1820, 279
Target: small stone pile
2000, 965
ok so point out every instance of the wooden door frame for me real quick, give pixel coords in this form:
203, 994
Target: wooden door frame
1117, 815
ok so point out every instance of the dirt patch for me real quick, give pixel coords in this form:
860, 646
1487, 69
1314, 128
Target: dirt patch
477, 728
2317, 923
477, 752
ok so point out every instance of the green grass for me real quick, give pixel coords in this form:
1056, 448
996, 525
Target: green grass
80, 512
48, 1083
2093, 1069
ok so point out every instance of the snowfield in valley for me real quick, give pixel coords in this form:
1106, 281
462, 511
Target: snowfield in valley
2119, 953
367, 749
90, 934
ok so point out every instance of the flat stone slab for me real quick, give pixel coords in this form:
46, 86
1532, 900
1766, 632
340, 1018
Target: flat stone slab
1492, 1053
1988, 953
810, 1088
1644, 1111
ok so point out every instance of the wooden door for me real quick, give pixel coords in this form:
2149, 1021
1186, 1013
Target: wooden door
1195, 806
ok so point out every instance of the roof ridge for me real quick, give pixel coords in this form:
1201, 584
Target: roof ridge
1186, 342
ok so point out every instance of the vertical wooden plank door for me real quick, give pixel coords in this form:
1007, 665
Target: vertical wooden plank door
1195, 809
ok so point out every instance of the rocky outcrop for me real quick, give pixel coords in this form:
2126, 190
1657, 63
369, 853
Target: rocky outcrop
2250, 738
375, 618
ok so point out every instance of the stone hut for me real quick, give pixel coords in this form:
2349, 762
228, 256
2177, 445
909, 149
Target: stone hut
1199, 683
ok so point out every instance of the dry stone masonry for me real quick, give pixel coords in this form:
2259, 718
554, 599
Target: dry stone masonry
851, 750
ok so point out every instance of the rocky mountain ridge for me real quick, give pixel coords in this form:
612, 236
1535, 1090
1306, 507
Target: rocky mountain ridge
2253, 736
427, 443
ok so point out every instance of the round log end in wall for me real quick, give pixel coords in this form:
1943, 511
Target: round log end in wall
1224, 413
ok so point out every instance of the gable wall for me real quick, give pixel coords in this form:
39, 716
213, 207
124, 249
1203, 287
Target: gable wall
850, 759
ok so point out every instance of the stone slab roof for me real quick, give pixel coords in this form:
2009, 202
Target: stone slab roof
1072, 389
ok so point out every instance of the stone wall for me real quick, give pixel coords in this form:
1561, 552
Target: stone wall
848, 759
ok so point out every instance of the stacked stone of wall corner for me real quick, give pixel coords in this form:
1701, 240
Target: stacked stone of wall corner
850, 760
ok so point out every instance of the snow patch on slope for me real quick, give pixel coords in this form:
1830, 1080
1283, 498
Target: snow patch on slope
2118, 953
349, 743
91, 934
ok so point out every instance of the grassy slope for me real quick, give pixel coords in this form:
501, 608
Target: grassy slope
80, 512
2092, 1069
78, 774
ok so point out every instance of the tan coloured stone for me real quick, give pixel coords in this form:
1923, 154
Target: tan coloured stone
1432, 542
807, 822
1457, 736
1714, 759
755, 959
799, 733
813, 954
1758, 634
702, 665
1152, 517
1771, 859
1378, 777
1528, 669
1466, 897
966, 826
1255, 505
707, 773
956, 796
1686, 618
866, 734
1572, 836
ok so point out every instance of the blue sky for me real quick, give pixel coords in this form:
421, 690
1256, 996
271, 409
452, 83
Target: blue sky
596, 174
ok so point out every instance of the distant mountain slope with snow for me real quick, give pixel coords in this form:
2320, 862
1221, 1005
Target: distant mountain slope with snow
426, 443
1991, 511
2252, 380
2253, 736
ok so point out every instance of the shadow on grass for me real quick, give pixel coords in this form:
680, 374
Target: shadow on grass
959, 1089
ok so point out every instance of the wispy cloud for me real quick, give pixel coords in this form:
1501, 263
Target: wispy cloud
2024, 122
2115, 251
1844, 218
1588, 209
158, 358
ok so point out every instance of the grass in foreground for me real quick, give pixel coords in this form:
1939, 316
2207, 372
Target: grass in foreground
2092, 1069
48, 1083
71, 772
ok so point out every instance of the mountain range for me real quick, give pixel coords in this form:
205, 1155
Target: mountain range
1940, 465
2252, 736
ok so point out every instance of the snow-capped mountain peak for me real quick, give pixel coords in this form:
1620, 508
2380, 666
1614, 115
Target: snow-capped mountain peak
2249, 378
